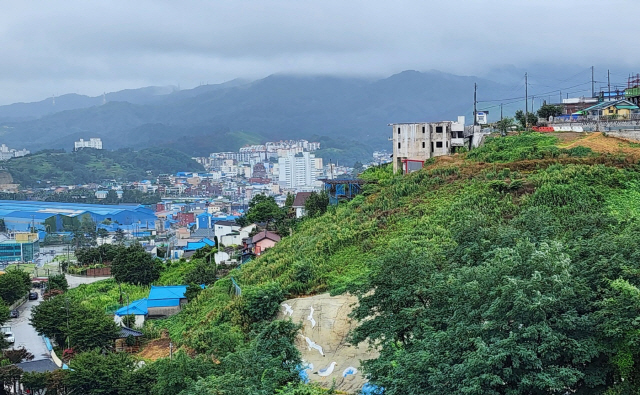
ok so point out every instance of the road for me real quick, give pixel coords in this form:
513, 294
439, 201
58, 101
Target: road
24, 333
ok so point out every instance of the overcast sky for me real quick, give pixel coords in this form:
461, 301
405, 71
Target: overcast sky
88, 47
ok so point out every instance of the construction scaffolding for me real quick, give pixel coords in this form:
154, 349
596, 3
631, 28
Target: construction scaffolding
342, 190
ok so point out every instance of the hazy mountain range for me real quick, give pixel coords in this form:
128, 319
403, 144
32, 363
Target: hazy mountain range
349, 112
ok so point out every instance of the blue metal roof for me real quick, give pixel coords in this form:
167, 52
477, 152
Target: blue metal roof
137, 307
167, 292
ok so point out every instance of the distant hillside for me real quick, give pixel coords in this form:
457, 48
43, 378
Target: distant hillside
353, 112
88, 165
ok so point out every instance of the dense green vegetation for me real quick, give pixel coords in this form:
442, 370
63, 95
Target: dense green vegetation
14, 284
498, 274
88, 165
518, 277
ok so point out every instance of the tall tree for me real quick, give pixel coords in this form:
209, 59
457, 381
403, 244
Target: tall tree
96, 373
70, 323
264, 208
134, 265
530, 119
513, 324
549, 110
14, 284
316, 204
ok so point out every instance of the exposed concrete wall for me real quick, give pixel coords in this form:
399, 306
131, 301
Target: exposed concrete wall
328, 329
625, 134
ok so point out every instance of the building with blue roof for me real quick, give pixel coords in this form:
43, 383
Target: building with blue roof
21, 216
164, 301
137, 308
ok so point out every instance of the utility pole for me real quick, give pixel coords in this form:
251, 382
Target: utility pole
526, 101
609, 85
593, 92
501, 111
475, 102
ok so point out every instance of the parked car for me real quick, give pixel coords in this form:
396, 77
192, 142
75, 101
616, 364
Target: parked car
8, 334
14, 314
33, 295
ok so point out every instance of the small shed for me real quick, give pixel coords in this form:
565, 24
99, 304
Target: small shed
164, 301
128, 340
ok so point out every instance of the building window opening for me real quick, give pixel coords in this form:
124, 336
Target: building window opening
438, 129
438, 144
398, 130
432, 146
398, 145
447, 144
423, 144
423, 129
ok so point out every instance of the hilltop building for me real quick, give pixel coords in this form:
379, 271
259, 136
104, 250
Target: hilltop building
414, 143
7, 153
94, 143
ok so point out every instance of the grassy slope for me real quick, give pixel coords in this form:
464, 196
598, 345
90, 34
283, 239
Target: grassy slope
326, 253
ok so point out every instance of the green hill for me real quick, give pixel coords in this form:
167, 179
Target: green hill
516, 274
86, 166
511, 269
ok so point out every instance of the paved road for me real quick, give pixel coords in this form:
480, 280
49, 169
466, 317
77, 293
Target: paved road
24, 333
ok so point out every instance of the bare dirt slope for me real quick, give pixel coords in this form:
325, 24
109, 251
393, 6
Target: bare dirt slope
332, 325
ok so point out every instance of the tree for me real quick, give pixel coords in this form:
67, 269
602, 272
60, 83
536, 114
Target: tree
72, 324
14, 284
202, 273
513, 324
504, 125
549, 110
357, 169
531, 119
103, 233
134, 266
290, 199
316, 204
58, 281
35, 382
95, 373
112, 197
192, 292
264, 208
119, 235
178, 374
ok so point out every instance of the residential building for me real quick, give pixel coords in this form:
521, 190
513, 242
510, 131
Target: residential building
94, 143
619, 109
414, 143
298, 203
165, 301
262, 241
297, 170
222, 228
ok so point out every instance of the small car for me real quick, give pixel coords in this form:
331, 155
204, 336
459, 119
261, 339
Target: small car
33, 296
14, 314
8, 337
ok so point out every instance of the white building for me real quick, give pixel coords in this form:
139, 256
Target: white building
94, 143
297, 170
413, 143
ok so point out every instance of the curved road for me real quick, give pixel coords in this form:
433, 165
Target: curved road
24, 333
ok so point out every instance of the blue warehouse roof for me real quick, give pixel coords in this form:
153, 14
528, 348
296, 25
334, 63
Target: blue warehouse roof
166, 296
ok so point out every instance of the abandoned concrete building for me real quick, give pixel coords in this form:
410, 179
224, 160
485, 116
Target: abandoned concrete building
414, 143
